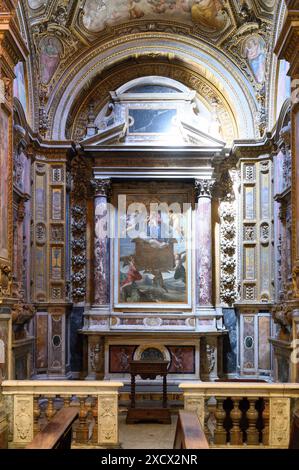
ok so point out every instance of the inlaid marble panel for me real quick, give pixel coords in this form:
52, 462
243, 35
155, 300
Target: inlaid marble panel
265, 195
57, 204
40, 197
119, 357
4, 159
248, 342
249, 209
40, 270
264, 327
41, 357
230, 342
56, 263
182, 359
56, 344
250, 263
265, 269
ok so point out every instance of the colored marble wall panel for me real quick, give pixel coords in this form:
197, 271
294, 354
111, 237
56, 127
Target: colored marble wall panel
57, 204
40, 269
182, 359
56, 341
56, 263
250, 263
264, 327
40, 197
249, 203
119, 357
248, 342
265, 195
265, 269
4, 162
41, 340
230, 342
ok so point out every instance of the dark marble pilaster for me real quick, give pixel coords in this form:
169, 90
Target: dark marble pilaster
230, 341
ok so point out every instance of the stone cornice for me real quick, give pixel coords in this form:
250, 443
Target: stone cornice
252, 148
11, 39
287, 46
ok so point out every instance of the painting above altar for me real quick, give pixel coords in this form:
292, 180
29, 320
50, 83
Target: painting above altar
152, 266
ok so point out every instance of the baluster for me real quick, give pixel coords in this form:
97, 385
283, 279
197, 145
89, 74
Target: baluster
50, 411
211, 407
94, 411
206, 420
66, 400
236, 435
220, 432
252, 432
36, 415
82, 429
266, 419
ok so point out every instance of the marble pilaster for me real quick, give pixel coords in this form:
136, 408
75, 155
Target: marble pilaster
203, 243
101, 244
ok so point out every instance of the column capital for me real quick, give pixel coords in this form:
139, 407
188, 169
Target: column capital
101, 187
204, 188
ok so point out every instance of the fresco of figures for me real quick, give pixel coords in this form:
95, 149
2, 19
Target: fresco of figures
50, 54
209, 14
254, 50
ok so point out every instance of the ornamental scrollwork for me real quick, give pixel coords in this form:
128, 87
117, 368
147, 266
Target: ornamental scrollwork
228, 246
80, 191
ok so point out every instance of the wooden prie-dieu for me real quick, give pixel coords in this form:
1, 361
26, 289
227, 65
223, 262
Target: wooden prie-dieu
148, 370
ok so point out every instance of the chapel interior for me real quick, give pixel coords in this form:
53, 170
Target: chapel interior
149, 211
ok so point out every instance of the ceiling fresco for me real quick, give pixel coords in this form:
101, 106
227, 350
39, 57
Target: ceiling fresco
209, 14
62, 34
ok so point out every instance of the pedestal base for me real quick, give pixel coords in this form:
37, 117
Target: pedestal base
159, 415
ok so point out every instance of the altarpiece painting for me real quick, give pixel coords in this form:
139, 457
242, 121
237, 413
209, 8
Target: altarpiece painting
152, 251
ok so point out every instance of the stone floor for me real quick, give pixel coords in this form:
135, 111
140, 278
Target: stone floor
146, 435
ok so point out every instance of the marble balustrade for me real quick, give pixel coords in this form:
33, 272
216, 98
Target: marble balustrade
244, 414
30, 405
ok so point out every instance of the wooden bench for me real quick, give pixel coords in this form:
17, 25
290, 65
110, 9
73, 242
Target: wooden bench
189, 433
294, 439
57, 434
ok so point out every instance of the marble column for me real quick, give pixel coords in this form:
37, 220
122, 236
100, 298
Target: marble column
101, 244
203, 244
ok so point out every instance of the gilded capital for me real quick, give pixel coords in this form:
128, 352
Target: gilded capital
101, 187
204, 188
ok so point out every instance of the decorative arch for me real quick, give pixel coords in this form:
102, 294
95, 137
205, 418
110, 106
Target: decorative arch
117, 78
208, 63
